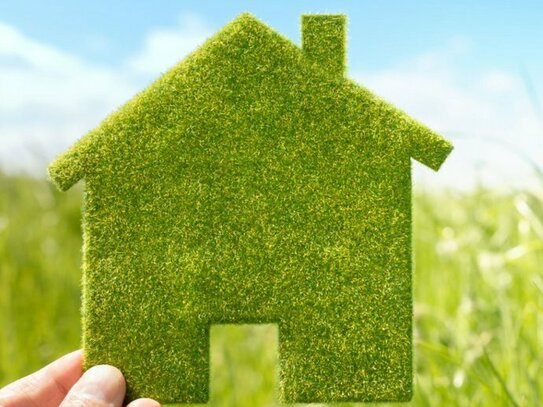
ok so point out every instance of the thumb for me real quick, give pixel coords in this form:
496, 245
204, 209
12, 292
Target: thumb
100, 386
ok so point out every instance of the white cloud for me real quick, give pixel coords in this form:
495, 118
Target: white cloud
165, 47
49, 97
500, 82
487, 115
36, 76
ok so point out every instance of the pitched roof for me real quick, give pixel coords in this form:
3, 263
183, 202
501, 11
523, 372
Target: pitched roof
244, 50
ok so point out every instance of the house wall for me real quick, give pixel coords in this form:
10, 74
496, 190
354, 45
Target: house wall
251, 191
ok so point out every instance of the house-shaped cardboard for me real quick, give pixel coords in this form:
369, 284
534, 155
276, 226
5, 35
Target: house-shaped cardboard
253, 183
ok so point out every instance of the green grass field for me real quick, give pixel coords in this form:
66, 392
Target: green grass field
478, 293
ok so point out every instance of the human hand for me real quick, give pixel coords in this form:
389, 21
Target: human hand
63, 384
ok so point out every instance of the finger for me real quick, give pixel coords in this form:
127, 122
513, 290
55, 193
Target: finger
144, 403
47, 387
100, 386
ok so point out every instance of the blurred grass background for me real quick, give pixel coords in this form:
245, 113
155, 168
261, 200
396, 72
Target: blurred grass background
478, 293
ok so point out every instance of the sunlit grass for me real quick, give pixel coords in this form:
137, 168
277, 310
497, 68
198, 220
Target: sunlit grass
478, 292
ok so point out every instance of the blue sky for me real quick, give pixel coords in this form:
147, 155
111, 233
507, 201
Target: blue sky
470, 69
507, 34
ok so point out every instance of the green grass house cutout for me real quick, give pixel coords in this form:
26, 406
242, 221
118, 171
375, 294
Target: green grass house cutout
253, 183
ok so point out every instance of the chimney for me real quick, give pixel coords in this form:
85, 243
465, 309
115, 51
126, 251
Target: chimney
324, 38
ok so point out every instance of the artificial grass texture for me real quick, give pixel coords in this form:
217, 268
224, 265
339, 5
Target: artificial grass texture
249, 184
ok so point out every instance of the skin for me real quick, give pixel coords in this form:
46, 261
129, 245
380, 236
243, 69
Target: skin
63, 384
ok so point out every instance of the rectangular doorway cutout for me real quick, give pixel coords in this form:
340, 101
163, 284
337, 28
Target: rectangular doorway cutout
244, 365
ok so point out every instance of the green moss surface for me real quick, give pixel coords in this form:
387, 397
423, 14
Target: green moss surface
324, 38
248, 185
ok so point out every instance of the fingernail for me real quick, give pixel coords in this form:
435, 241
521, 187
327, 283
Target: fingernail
102, 383
144, 403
